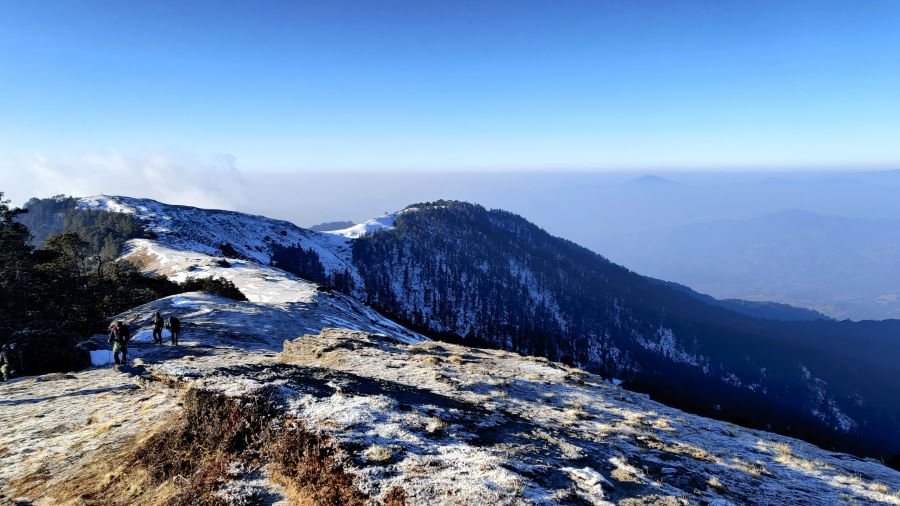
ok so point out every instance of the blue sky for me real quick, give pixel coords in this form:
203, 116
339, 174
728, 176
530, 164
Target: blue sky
375, 85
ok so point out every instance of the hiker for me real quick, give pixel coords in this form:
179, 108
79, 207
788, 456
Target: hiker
174, 327
158, 324
6, 362
119, 337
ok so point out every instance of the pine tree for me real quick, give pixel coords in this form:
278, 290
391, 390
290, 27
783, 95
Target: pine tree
15, 268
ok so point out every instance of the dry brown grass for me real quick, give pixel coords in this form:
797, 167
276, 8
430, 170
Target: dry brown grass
624, 472
395, 497
694, 452
577, 412
306, 467
849, 499
881, 488
105, 427
379, 454
427, 346
785, 455
435, 425
431, 360
714, 483
755, 469
187, 460
782, 448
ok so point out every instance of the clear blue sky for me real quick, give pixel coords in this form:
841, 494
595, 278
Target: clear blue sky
455, 84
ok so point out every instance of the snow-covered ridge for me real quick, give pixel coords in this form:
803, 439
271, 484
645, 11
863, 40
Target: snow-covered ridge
190, 242
447, 424
378, 224
266, 286
215, 232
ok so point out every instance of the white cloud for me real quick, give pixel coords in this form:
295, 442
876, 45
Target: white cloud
183, 179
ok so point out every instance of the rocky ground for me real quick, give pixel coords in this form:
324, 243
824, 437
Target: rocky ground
306, 397
444, 424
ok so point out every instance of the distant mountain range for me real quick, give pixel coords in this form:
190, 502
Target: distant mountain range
757, 309
842, 267
650, 179
331, 225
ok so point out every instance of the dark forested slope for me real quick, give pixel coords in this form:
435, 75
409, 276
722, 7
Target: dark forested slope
459, 272
462, 272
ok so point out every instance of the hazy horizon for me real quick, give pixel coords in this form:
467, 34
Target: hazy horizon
667, 226
316, 112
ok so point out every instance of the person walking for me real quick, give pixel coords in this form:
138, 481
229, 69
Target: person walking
174, 327
158, 324
119, 335
6, 362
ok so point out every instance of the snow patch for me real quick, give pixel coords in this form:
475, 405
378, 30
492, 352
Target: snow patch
103, 203
385, 222
589, 484
666, 345
101, 357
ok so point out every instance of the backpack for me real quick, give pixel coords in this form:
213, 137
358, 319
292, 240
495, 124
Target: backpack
174, 324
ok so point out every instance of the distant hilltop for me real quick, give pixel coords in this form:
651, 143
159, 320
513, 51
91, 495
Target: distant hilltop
652, 179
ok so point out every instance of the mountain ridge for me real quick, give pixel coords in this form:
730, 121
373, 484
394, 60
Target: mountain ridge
392, 415
645, 335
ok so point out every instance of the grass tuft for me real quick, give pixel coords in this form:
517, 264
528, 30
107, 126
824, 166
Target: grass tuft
395, 497
379, 454
714, 483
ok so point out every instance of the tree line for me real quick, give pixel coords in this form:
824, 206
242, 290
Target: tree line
63, 284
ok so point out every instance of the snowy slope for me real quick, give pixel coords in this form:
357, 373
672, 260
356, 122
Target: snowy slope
188, 241
207, 230
445, 424
267, 286
385, 222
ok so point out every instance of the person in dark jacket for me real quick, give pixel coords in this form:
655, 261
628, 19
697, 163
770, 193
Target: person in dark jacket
174, 327
6, 364
158, 324
119, 335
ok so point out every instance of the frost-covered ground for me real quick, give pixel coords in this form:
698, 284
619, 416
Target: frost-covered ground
447, 424
206, 230
471, 426
53, 425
